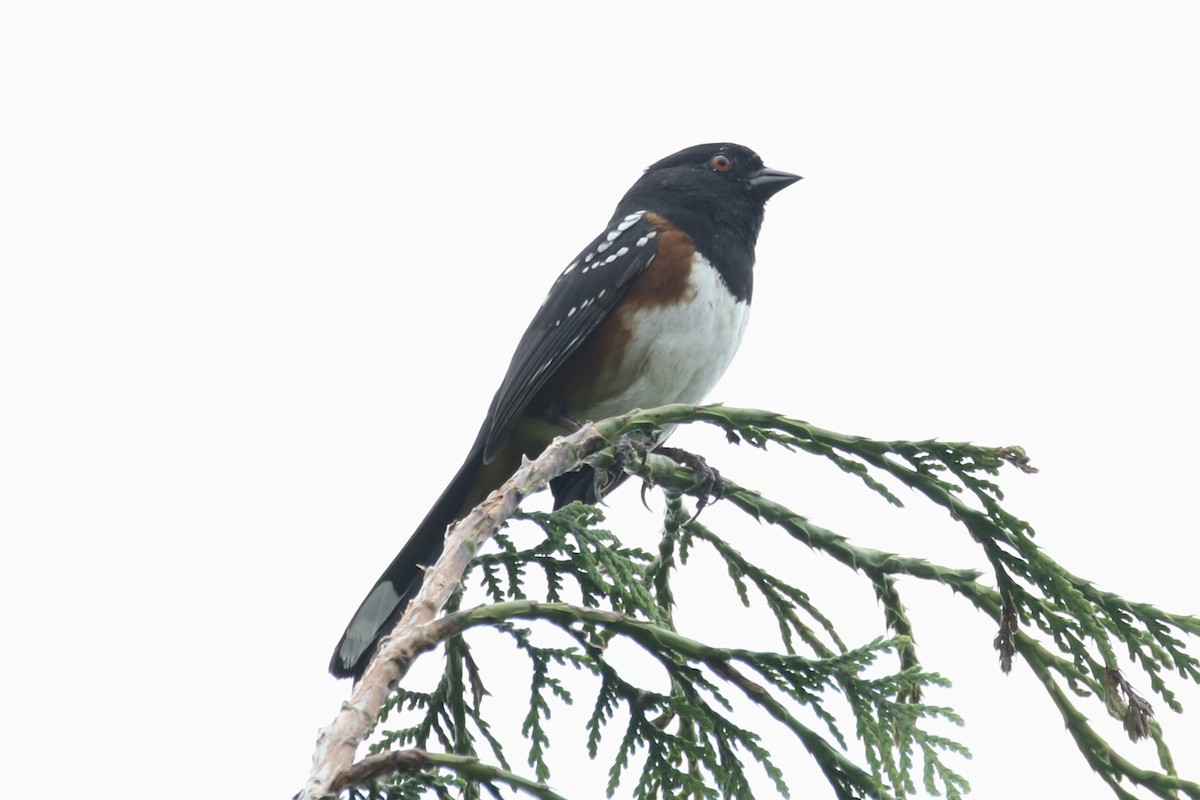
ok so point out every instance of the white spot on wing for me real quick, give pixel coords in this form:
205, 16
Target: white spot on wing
629, 222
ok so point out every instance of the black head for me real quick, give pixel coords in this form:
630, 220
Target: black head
706, 176
716, 194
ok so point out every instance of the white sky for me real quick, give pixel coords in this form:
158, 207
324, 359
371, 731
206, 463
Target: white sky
264, 264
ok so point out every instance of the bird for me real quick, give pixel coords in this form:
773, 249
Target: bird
650, 313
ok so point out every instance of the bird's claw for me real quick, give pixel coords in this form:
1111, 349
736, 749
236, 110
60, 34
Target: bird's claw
624, 451
709, 484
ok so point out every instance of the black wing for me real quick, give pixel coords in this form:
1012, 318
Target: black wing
579, 300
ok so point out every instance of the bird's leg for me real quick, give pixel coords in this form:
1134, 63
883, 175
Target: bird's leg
603, 480
563, 421
624, 450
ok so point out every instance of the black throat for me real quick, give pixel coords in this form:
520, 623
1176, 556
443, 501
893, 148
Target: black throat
723, 225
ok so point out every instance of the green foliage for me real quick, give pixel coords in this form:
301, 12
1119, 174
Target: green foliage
683, 741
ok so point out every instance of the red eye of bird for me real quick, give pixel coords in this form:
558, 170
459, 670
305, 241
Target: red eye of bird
721, 162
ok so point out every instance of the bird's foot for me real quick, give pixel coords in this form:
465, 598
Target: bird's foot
627, 450
709, 484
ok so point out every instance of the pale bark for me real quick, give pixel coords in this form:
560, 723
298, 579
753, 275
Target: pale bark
414, 634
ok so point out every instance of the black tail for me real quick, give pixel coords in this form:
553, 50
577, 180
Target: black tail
581, 485
402, 579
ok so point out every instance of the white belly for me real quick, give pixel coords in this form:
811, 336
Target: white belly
680, 351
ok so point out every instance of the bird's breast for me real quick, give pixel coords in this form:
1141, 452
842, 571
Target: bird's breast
671, 339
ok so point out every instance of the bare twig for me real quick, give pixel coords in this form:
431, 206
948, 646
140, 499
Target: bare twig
393, 761
381, 766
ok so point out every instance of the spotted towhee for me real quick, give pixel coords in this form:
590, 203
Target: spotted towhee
651, 312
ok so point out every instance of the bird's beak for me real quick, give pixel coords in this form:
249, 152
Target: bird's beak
767, 182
